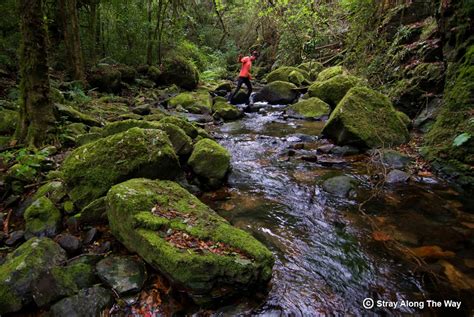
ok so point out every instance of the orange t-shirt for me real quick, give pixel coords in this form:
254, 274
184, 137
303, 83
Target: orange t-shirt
246, 65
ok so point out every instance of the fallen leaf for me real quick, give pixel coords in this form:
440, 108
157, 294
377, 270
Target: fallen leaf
432, 251
381, 236
457, 278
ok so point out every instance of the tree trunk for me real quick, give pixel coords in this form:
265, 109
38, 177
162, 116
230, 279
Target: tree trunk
72, 39
36, 122
93, 31
149, 44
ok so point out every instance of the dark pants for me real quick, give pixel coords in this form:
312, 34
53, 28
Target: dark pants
240, 81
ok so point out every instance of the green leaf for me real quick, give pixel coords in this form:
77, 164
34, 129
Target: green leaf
461, 139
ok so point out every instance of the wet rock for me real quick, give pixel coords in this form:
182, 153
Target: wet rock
339, 185
123, 274
15, 237
54, 190
22, 267
90, 236
52, 285
397, 176
164, 224
90, 170
97, 299
331, 91
210, 161
365, 118
142, 110
278, 92
240, 98
82, 272
344, 150
224, 110
312, 108
428, 115
330, 72
195, 102
93, 213
225, 86
327, 160
69, 243
395, 159
42, 219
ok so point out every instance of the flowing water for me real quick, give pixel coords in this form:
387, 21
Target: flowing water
327, 260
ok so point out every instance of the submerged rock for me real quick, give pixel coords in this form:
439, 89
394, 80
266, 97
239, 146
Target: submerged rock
334, 89
312, 108
178, 235
42, 219
365, 118
210, 161
90, 170
339, 185
278, 92
394, 159
123, 274
24, 266
88, 302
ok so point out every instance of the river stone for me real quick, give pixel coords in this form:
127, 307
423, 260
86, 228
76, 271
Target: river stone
365, 118
194, 102
312, 108
278, 93
145, 214
123, 274
15, 237
22, 267
397, 176
226, 111
42, 219
395, 159
87, 303
240, 98
330, 72
210, 161
333, 90
69, 242
90, 170
339, 185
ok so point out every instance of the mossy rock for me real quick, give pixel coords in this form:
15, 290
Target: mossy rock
334, 89
53, 285
278, 92
181, 72
365, 118
282, 74
128, 73
93, 213
90, 170
8, 120
226, 111
96, 297
404, 118
199, 102
42, 219
144, 215
106, 78
190, 129
74, 115
339, 186
154, 73
296, 77
210, 161
330, 72
312, 108
54, 190
313, 68
24, 266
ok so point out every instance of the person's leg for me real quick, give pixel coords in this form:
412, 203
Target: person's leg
249, 87
239, 84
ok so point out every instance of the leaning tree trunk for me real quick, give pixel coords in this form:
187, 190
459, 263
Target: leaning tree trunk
72, 40
36, 121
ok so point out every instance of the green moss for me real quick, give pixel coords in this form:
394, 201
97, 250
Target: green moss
80, 274
296, 77
90, 170
210, 161
330, 72
182, 143
312, 108
278, 92
312, 67
365, 118
194, 102
404, 118
42, 218
181, 72
54, 190
283, 73
74, 115
226, 111
334, 89
8, 120
129, 208
93, 213
190, 129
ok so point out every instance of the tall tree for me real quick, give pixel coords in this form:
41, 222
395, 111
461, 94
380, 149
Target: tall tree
149, 44
72, 40
36, 121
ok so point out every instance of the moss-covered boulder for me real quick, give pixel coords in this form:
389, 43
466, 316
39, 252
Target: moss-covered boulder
311, 108
222, 109
210, 161
278, 92
333, 90
106, 78
179, 71
42, 219
365, 118
54, 190
96, 297
184, 239
283, 74
312, 68
8, 119
74, 115
90, 170
22, 268
128, 73
190, 129
194, 102
330, 72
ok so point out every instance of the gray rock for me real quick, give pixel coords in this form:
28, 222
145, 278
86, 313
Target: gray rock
123, 274
397, 176
52, 285
15, 237
87, 303
344, 150
395, 159
90, 236
339, 185
69, 243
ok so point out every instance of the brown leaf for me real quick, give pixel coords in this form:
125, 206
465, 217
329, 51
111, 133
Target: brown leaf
432, 251
381, 236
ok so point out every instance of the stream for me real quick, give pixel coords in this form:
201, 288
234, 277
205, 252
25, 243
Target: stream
326, 259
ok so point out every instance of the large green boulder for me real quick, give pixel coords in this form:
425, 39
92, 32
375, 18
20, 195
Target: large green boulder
42, 219
365, 118
296, 77
181, 72
333, 90
190, 129
222, 109
22, 268
106, 78
90, 170
312, 67
178, 235
8, 120
210, 161
330, 72
194, 102
311, 108
278, 92
283, 73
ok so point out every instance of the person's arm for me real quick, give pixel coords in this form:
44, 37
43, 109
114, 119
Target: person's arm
239, 59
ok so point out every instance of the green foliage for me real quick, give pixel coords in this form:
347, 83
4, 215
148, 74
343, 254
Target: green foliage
25, 163
461, 139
